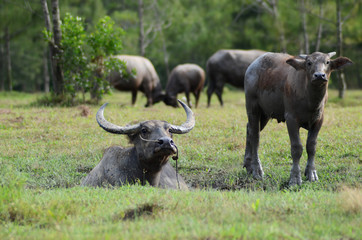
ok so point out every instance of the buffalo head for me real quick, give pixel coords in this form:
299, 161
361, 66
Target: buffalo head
318, 66
170, 100
151, 139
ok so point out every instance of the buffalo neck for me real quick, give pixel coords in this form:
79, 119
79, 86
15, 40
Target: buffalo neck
317, 95
151, 168
152, 177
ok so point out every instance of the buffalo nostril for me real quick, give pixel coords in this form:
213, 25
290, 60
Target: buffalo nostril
165, 140
320, 75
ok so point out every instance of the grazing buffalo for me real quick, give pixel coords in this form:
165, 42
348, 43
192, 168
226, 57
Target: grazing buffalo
228, 66
142, 76
146, 160
184, 78
291, 90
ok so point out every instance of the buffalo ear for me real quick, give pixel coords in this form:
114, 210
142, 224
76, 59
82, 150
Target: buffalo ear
340, 62
298, 64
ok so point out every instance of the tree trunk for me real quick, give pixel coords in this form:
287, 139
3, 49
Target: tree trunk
57, 33
46, 71
48, 28
304, 25
141, 33
8, 59
57, 74
165, 55
2, 68
320, 27
279, 25
164, 46
342, 85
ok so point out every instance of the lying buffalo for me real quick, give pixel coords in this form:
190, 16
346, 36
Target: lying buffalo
146, 160
228, 66
291, 90
184, 78
142, 76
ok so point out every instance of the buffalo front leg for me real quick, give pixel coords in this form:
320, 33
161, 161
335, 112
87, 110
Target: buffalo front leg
296, 151
210, 90
310, 171
134, 96
251, 160
187, 93
197, 97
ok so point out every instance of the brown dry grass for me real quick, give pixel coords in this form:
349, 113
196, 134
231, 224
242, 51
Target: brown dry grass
350, 200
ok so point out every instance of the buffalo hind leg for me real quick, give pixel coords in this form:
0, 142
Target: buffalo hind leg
247, 158
251, 160
187, 93
219, 95
296, 150
210, 91
310, 171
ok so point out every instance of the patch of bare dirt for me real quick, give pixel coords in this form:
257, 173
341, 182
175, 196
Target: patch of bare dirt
85, 111
143, 210
19, 119
5, 111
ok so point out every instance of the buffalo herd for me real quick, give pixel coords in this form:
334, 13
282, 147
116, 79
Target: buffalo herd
277, 86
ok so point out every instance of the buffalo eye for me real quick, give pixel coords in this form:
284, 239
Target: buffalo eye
309, 63
327, 62
144, 131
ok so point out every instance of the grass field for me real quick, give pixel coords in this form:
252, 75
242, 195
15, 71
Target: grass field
45, 152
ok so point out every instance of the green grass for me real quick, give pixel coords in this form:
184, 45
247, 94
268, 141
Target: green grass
45, 152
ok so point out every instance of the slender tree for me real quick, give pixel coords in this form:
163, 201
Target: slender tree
160, 25
320, 26
54, 40
8, 59
141, 38
2, 81
59, 78
272, 7
304, 26
46, 71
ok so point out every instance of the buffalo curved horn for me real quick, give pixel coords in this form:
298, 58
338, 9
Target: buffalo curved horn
304, 56
112, 128
331, 54
186, 126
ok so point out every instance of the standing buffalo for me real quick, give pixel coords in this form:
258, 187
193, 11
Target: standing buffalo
228, 66
142, 76
184, 78
147, 160
291, 90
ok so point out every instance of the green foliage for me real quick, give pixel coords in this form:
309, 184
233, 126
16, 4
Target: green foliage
74, 57
86, 57
105, 39
198, 28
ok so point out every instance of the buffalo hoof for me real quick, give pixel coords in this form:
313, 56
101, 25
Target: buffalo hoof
247, 165
258, 173
254, 169
311, 175
295, 178
257, 169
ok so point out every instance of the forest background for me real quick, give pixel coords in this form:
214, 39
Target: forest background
184, 31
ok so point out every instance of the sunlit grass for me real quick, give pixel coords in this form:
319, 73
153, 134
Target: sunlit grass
45, 152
